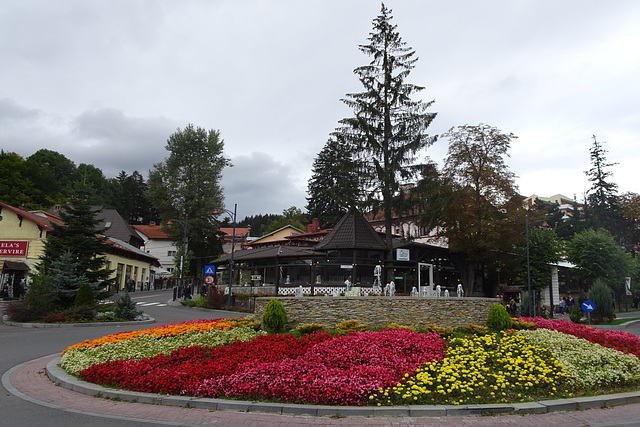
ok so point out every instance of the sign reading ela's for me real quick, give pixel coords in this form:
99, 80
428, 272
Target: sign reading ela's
13, 248
588, 306
209, 269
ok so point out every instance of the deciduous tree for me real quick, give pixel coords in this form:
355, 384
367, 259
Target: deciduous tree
486, 217
597, 256
186, 186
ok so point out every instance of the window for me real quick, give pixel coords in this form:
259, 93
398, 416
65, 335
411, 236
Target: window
172, 253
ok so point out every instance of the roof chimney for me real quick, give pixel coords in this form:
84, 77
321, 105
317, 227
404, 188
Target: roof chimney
314, 226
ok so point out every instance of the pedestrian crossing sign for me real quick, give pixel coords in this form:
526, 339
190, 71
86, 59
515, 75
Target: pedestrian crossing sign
209, 269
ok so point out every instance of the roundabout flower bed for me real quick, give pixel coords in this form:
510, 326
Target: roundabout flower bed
230, 359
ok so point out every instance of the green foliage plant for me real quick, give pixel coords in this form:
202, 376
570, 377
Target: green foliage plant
478, 330
399, 326
444, 332
308, 328
85, 296
601, 296
498, 318
81, 313
274, 317
126, 308
576, 314
518, 324
40, 297
348, 326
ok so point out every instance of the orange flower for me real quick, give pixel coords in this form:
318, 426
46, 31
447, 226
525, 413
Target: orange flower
171, 330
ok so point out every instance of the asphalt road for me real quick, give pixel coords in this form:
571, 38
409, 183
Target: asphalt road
18, 345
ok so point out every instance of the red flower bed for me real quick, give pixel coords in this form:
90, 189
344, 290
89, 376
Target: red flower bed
317, 368
185, 366
618, 340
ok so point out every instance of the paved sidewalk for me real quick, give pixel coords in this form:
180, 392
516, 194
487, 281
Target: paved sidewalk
29, 381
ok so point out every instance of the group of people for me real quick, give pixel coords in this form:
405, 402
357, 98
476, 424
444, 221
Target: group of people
565, 305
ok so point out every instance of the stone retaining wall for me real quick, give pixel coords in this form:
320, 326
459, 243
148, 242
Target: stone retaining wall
379, 311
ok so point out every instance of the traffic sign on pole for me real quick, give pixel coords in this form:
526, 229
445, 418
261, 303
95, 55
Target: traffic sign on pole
588, 306
209, 279
209, 269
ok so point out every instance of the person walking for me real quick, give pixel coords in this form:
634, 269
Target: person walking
562, 305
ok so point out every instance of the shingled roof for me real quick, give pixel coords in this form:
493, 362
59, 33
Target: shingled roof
269, 252
352, 232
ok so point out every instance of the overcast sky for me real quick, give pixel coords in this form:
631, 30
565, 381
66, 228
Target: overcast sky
106, 83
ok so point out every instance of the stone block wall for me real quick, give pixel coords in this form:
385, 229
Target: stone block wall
379, 311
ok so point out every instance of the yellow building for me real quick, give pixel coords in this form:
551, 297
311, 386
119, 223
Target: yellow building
275, 237
22, 238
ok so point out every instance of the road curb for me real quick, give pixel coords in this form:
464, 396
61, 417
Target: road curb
60, 377
8, 322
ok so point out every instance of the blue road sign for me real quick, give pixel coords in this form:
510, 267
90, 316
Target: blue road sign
588, 306
209, 269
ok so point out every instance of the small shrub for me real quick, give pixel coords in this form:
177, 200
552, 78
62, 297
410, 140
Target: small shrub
84, 296
478, 330
216, 299
107, 317
521, 324
20, 311
201, 302
105, 308
398, 326
55, 318
40, 297
188, 303
125, 308
307, 328
498, 318
249, 322
83, 313
348, 326
601, 296
576, 314
274, 317
442, 331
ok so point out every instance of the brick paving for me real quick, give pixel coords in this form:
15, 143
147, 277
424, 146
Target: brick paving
30, 382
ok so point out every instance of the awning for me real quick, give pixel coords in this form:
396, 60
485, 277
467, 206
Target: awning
13, 265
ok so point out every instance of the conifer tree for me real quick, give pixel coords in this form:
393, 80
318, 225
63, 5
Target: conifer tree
80, 237
388, 130
334, 187
602, 207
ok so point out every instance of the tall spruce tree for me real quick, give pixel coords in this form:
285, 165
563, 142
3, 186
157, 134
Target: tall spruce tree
80, 237
334, 187
389, 128
602, 208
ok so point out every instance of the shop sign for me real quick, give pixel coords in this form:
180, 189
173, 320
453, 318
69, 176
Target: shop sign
403, 255
13, 248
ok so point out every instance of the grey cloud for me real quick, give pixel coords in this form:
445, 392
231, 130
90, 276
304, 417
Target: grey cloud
258, 183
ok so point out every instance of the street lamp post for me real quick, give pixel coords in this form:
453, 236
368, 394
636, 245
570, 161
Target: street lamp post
184, 224
528, 268
232, 215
